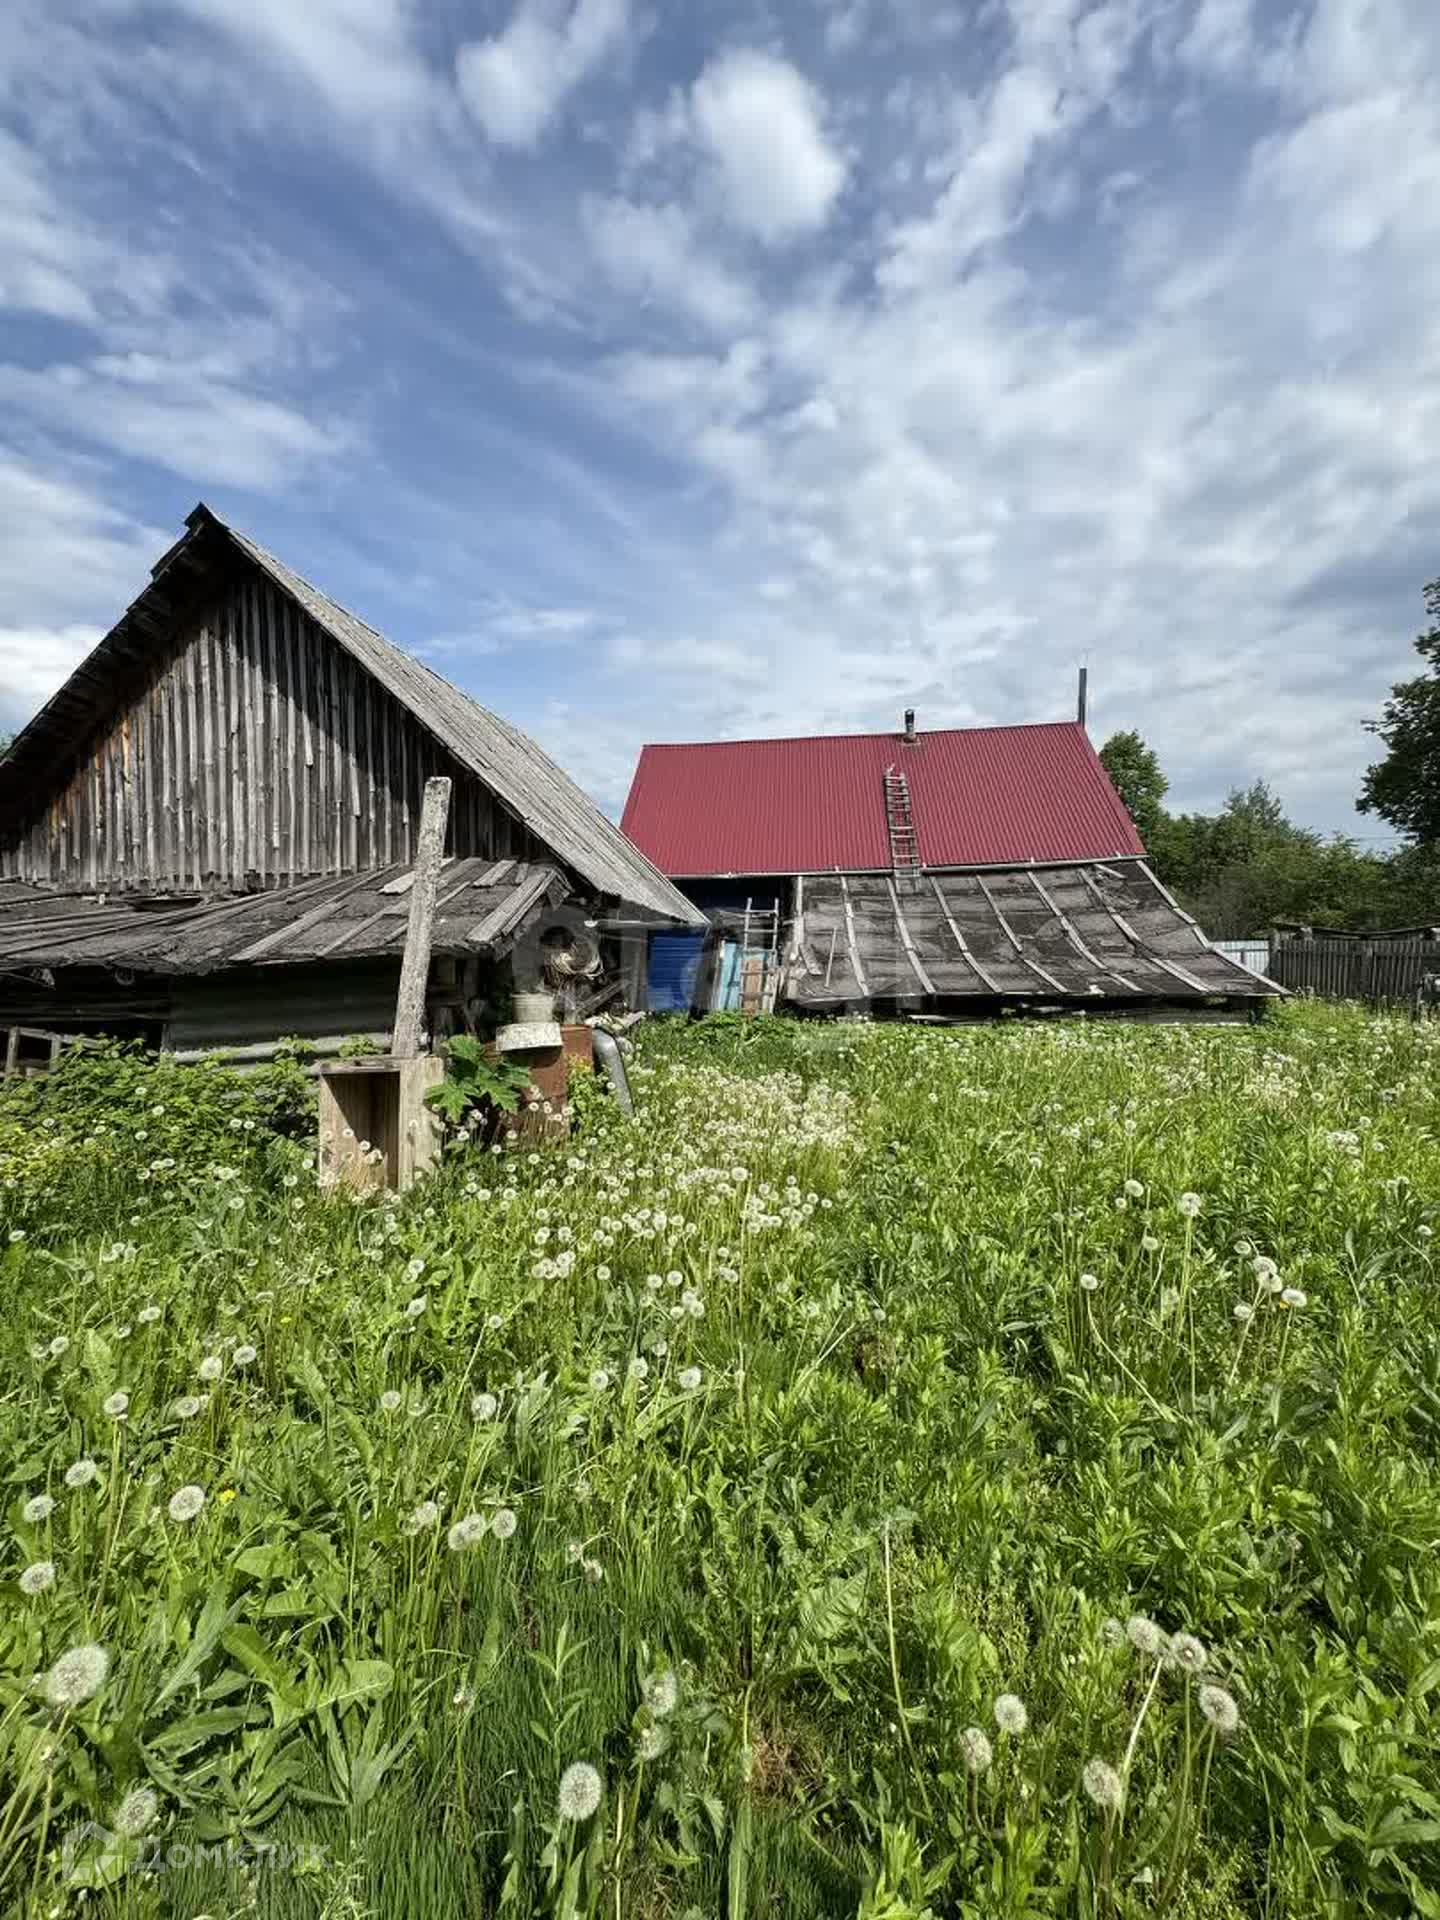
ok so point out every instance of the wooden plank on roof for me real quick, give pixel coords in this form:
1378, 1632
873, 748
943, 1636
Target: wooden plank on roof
1145, 952
407, 880
960, 942
1091, 959
1009, 932
333, 896
850, 940
511, 908
906, 941
493, 875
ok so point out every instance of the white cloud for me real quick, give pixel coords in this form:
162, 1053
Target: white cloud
516, 82
34, 661
359, 54
762, 124
653, 251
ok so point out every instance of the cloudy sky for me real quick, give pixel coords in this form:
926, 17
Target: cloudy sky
662, 370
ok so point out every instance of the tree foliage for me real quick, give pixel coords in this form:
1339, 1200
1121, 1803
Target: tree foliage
1248, 867
1135, 774
1404, 787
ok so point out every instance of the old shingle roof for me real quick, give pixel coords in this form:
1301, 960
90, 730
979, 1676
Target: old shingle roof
480, 907
521, 775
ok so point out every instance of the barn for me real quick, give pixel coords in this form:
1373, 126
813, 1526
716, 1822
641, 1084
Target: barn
954, 873
208, 836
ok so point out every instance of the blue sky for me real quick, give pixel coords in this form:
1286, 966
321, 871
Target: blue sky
666, 371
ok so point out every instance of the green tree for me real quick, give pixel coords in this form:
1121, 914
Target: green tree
1135, 775
1404, 787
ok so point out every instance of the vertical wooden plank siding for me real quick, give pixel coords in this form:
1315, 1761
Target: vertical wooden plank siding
257, 750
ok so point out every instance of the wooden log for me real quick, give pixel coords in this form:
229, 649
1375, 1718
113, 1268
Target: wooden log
415, 967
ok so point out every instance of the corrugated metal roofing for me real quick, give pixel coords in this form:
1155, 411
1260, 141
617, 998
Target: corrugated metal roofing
980, 796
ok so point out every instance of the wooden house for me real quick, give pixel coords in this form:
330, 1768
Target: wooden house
207, 835
957, 873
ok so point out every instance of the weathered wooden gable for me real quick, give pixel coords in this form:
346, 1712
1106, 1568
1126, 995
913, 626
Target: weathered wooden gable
255, 750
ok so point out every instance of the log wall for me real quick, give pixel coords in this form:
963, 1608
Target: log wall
257, 752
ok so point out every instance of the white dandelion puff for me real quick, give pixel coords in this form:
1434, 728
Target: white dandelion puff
1243, 1311
81, 1473
77, 1676
1010, 1714
116, 1405
652, 1743
1143, 1634
1189, 1205
467, 1532
136, 1812
390, 1401
1090, 1282
660, 1691
1219, 1708
503, 1523
38, 1577
243, 1356
1293, 1297
38, 1507
638, 1368
688, 1378
147, 1316
975, 1750
414, 1308
1112, 1632
187, 1406
186, 1503
580, 1790
420, 1518
484, 1406
1135, 1190
211, 1367
58, 1346
1149, 1242
1103, 1784
599, 1380
1187, 1653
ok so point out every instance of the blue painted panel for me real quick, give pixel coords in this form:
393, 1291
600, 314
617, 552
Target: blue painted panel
674, 963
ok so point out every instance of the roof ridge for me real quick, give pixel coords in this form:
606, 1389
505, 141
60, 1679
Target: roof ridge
868, 733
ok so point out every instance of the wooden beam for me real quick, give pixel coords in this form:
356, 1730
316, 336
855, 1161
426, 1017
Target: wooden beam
1142, 952
850, 939
1009, 933
415, 967
960, 938
517, 902
1092, 959
908, 943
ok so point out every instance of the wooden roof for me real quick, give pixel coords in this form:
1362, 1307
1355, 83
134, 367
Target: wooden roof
521, 775
1084, 931
480, 907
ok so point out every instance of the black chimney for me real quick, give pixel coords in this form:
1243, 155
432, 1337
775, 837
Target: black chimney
910, 725
1083, 703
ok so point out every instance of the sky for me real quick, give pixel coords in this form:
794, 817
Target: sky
680, 371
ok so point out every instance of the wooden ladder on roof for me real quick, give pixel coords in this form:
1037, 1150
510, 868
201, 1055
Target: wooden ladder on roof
900, 824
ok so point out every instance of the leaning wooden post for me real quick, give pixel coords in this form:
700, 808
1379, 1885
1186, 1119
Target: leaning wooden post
415, 968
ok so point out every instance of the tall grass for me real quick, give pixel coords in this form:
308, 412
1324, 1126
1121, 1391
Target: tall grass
746, 1453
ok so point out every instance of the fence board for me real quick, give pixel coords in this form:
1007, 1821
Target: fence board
1382, 972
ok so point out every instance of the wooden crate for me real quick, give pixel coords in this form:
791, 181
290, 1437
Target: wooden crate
375, 1128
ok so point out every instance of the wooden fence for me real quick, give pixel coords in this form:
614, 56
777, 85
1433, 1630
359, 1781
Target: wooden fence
1384, 972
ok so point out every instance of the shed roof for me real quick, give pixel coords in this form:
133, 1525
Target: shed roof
480, 907
1087, 931
518, 771
980, 796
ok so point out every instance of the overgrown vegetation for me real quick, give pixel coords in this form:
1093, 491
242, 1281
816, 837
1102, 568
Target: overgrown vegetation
898, 1474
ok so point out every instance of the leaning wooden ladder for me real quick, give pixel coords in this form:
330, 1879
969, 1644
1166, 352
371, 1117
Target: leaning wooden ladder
900, 823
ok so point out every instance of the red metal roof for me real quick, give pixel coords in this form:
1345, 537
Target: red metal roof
981, 796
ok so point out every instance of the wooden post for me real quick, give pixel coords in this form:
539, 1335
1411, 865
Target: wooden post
415, 967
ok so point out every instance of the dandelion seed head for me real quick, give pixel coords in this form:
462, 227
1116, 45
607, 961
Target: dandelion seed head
58, 1346
38, 1577
38, 1507
136, 1812
211, 1367
390, 1401
1090, 1282
638, 1368
81, 1473
147, 1316
243, 1356
1187, 1653
580, 1790
975, 1750
1243, 1311
186, 1503
1134, 1190
1010, 1714
1149, 1242
652, 1743
187, 1406
1143, 1634
414, 1308
116, 1405
467, 1533
422, 1517
1294, 1297
1103, 1784
1189, 1205
503, 1523
1219, 1708
688, 1378
599, 1380
660, 1691
484, 1406
77, 1676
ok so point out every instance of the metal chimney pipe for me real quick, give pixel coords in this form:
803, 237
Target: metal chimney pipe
910, 725
1083, 703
